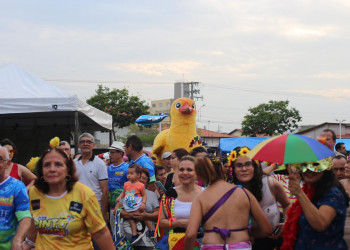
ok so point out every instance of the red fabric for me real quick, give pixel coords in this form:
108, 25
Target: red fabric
291, 227
14, 171
273, 151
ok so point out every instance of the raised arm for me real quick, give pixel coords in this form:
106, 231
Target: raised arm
318, 218
281, 196
28, 175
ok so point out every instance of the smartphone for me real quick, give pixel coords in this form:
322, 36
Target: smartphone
160, 186
277, 229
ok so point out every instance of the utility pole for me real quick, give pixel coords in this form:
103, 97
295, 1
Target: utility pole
187, 89
340, 121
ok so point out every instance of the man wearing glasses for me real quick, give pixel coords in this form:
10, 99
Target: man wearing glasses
92, 171
15, 216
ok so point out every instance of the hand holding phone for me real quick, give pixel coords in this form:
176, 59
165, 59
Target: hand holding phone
160, 186
277, 230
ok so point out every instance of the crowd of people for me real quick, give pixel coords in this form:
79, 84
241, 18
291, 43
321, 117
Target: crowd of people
192, 200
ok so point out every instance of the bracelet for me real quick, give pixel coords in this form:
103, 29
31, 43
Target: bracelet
171, 220
31, 243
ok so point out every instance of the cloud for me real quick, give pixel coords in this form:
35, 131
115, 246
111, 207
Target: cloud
157, 69
338, 94
330, 75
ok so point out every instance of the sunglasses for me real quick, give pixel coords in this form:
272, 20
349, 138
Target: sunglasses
12, 152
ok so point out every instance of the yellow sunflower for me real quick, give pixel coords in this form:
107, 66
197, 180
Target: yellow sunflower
232, 157
243, 151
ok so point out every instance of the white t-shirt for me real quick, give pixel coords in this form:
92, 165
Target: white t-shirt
92, 173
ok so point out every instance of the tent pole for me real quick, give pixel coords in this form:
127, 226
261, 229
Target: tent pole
76, 131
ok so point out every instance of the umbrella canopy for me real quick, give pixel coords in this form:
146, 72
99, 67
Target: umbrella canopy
290, 148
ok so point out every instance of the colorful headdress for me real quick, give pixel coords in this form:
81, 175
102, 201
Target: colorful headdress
197, 141
55, 142
237, 152
316, 166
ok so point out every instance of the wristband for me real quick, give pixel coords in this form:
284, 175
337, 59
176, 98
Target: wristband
171, 220
31, 243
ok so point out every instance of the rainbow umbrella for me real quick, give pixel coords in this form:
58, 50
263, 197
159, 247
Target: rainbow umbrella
290, 148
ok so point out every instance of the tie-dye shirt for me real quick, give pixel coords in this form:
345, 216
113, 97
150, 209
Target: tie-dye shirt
14, 206
117, 176
66, 222
145, 162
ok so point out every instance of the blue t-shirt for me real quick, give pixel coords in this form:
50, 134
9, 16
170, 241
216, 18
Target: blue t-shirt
14, 206
145, 162
332, 238
117, 176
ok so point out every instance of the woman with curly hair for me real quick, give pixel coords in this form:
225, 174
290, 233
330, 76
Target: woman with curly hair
316, 220
66, 213
268, 191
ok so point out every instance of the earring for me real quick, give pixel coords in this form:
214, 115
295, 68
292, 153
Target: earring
68, 178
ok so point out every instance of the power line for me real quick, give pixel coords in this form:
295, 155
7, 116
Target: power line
272, 92
105, 82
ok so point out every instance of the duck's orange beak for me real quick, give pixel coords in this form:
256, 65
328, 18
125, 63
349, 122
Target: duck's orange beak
186, 109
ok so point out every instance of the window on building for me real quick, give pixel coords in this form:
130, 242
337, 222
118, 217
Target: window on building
153, 105
160, 105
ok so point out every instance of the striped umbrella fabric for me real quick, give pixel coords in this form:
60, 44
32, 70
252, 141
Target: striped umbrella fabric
290, 148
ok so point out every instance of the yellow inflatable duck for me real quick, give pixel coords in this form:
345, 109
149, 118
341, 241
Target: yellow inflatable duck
182, 129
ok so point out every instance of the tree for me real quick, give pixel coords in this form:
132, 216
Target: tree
124, 109
270, 118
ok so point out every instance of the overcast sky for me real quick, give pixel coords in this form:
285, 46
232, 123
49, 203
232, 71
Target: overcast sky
244, 52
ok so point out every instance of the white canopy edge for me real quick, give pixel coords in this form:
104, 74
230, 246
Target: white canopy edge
102, 118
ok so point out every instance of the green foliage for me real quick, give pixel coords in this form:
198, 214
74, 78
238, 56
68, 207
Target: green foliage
124, 108
270, 118
146, 134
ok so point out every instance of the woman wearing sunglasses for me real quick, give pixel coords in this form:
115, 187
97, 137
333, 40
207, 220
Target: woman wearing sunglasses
267, 190
316, 220
15, 170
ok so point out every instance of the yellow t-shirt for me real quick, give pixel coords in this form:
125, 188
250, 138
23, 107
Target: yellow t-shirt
66, 222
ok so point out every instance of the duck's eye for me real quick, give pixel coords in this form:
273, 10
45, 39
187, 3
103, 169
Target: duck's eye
193, 106
178, 105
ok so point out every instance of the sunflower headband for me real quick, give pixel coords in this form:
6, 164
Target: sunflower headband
235, 153
316, 166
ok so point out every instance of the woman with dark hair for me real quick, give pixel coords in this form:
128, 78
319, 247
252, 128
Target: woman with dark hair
223, 210
65, 213
173, 179
346, 184
268, 191
226, 169
15, 170
176, 204
316, 220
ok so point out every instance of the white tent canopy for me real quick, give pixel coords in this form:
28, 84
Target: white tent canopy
26, 95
